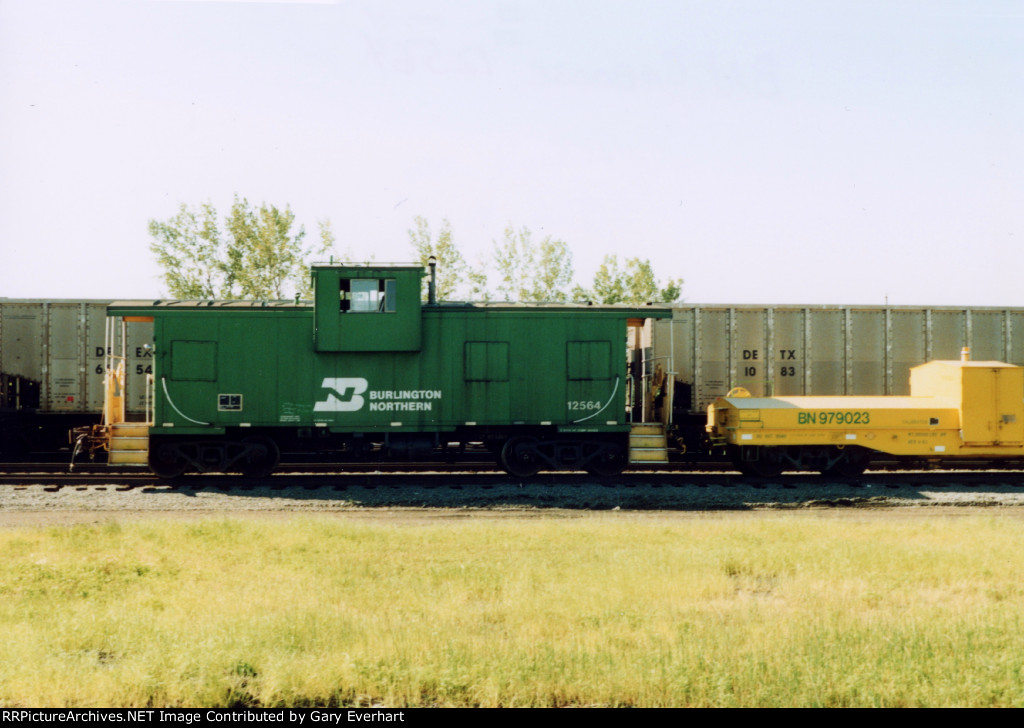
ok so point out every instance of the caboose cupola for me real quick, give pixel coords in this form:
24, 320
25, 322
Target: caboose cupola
367, 307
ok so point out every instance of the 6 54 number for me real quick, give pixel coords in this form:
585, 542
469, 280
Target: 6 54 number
139, 369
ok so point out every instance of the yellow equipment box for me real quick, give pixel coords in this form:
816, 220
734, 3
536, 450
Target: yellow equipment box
955, 409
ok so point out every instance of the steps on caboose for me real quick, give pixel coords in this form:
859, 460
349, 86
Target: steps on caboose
131, 429
129, 444
647, 443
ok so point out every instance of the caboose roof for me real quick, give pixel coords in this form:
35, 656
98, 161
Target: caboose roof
648, 311
172, 303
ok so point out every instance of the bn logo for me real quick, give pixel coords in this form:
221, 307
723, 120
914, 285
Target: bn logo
344, 395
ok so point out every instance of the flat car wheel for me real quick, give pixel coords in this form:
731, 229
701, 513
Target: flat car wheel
767, 465
853, 462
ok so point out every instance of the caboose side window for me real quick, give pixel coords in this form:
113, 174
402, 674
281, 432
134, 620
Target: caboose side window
367, 295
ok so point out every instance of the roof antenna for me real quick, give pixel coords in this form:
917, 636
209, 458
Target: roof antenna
432, 284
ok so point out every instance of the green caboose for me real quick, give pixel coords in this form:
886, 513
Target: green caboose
369, 371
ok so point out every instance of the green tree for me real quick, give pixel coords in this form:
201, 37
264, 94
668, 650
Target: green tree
532, 271
634, 284
188, 248
327, 239
455, 277
259, 257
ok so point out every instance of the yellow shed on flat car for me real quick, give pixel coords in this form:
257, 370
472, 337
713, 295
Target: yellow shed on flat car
956, 409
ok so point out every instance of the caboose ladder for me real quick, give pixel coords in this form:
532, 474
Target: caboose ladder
647, 443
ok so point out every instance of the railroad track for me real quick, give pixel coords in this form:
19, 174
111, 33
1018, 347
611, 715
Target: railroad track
673, 469
317, 479
104, 470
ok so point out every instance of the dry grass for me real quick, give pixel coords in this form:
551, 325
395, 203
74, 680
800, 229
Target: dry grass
767, 610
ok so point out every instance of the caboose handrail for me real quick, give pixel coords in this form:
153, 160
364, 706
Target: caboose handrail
669, 382
114, 377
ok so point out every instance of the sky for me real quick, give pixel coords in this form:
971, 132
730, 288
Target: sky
766, 151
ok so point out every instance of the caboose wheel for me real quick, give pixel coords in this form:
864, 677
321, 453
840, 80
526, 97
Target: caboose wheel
166, 462
605, 470
261, 457
519, 457
609, 460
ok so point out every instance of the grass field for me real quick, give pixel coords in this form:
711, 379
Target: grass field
615, 609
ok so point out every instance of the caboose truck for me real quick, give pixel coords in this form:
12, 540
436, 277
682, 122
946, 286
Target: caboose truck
370, 372
956, 410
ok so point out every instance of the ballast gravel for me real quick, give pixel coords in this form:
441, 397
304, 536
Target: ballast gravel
38, 501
